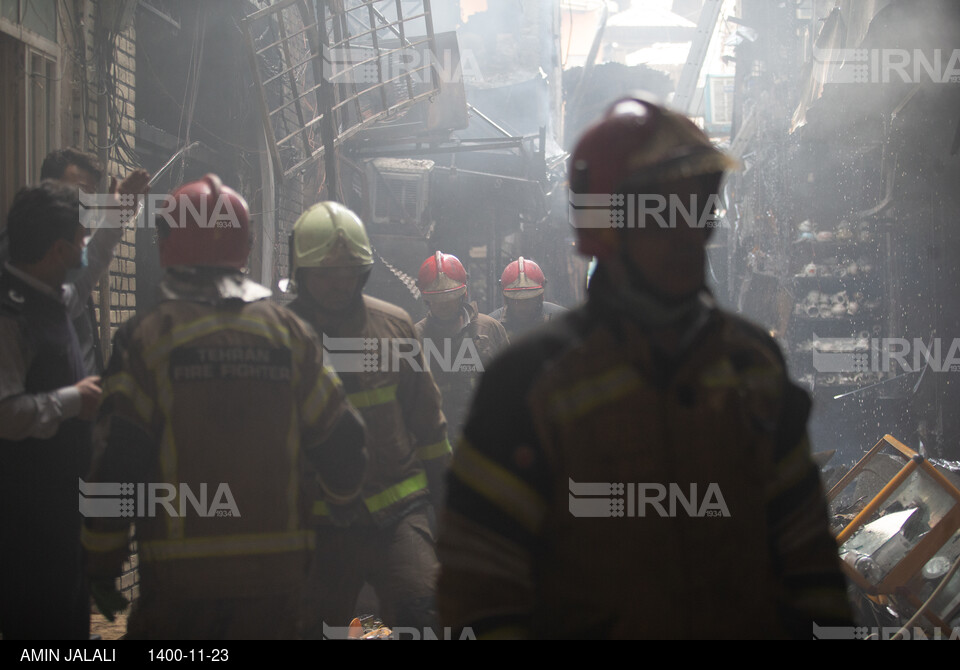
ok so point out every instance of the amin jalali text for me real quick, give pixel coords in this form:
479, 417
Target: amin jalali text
164, 654
76, 654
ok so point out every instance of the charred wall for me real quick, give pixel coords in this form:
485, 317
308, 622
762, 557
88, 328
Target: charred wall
872, 172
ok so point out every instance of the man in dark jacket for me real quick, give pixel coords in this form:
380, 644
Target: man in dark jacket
46, 404
84, 171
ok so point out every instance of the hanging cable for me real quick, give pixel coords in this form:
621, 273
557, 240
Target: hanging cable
191, 90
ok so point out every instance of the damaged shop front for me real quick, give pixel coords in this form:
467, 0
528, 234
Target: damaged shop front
436, 145
844, 213
845, 246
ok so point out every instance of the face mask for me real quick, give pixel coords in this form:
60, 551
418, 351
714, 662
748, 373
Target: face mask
84, 258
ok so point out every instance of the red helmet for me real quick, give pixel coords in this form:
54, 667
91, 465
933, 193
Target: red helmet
209, 225
522, 279
442, 277
636, 145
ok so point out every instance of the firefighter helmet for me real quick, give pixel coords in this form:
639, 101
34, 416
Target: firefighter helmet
328, 235
210, 226
522, 279
442, 277
637, 146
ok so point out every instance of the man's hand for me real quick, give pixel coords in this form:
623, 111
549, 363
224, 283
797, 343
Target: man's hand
137, 183
90, 393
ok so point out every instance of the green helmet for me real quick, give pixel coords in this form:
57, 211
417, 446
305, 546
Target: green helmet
328, 235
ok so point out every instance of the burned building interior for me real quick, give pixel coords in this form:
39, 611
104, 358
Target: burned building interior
448, 124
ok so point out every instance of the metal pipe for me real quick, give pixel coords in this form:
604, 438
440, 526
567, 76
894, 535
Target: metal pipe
486, 118
591, 58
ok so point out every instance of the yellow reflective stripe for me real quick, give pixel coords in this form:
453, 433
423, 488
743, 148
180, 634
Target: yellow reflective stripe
397, 492
124, 384
570, 403
316, 402
385, 498
500, 486
229, 545
379, 396
723, 375
272, 331
435, 450
102, 542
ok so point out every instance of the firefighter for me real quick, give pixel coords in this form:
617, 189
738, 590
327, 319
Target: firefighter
213, 401
458, 341
640, 467
523, 284
390, 542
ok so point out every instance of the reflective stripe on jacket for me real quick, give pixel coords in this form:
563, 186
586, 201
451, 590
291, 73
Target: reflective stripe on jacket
207, 410
399, 401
